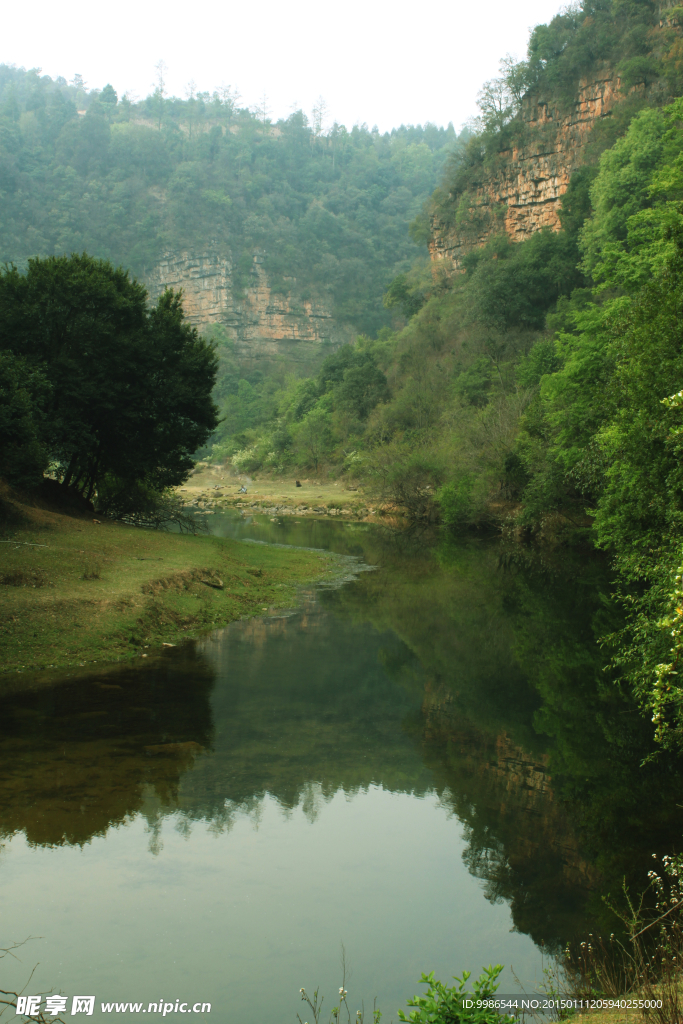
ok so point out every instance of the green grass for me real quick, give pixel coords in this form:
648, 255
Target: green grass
73, 592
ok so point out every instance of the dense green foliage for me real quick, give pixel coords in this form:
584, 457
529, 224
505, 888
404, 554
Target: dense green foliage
541, 387
600, 430
111, 391
380, 408
628, 36
23, 390
447, 1004
537, 389
127, 181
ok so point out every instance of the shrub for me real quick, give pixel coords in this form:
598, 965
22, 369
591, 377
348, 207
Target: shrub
455, 499
444, 1004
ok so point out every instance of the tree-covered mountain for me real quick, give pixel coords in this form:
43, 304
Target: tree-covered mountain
538, 388
638, 42
84, 171
533, 385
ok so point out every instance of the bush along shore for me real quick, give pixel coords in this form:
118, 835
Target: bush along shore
75, 591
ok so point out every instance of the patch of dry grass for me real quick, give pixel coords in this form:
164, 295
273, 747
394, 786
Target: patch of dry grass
212, 480
610, 1017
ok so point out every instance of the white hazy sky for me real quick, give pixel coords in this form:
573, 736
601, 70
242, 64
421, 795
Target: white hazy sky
373, 61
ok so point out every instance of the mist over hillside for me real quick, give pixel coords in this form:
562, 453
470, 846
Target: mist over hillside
329, 207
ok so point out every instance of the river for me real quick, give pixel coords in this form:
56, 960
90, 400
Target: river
427, 765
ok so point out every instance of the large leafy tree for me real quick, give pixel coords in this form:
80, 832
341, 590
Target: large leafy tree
130, 386
23, 389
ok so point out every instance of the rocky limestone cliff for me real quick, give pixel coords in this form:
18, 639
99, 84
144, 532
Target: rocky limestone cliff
522, 193
262, 323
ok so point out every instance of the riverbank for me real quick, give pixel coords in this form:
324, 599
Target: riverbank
213, 488
75, 592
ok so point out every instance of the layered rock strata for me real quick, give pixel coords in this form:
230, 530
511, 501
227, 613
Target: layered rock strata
261, 323
521, 194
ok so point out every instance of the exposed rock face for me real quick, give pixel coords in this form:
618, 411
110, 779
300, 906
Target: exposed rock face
260, 322
205, 279
522, 193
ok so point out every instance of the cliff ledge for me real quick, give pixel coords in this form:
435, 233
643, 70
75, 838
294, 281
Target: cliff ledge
262, 323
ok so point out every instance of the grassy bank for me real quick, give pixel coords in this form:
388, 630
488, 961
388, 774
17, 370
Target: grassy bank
215, 487
74, 592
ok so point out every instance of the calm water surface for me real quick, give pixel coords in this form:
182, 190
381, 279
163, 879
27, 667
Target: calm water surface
427, 764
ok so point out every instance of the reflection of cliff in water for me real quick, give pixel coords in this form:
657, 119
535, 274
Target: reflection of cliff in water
520, 839
541, 750
441, 673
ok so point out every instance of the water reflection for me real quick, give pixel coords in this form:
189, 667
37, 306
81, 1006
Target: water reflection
81, 757
457, 670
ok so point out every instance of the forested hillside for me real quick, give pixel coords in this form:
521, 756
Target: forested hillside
532, 386
538, 389
85, 170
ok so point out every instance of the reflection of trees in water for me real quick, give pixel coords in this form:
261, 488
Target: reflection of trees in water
310, 798
520, 841
82, 756
304, 708
536, 745
597, 740
308, 713
451, 670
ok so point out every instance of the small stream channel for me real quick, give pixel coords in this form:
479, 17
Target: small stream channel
425, 764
